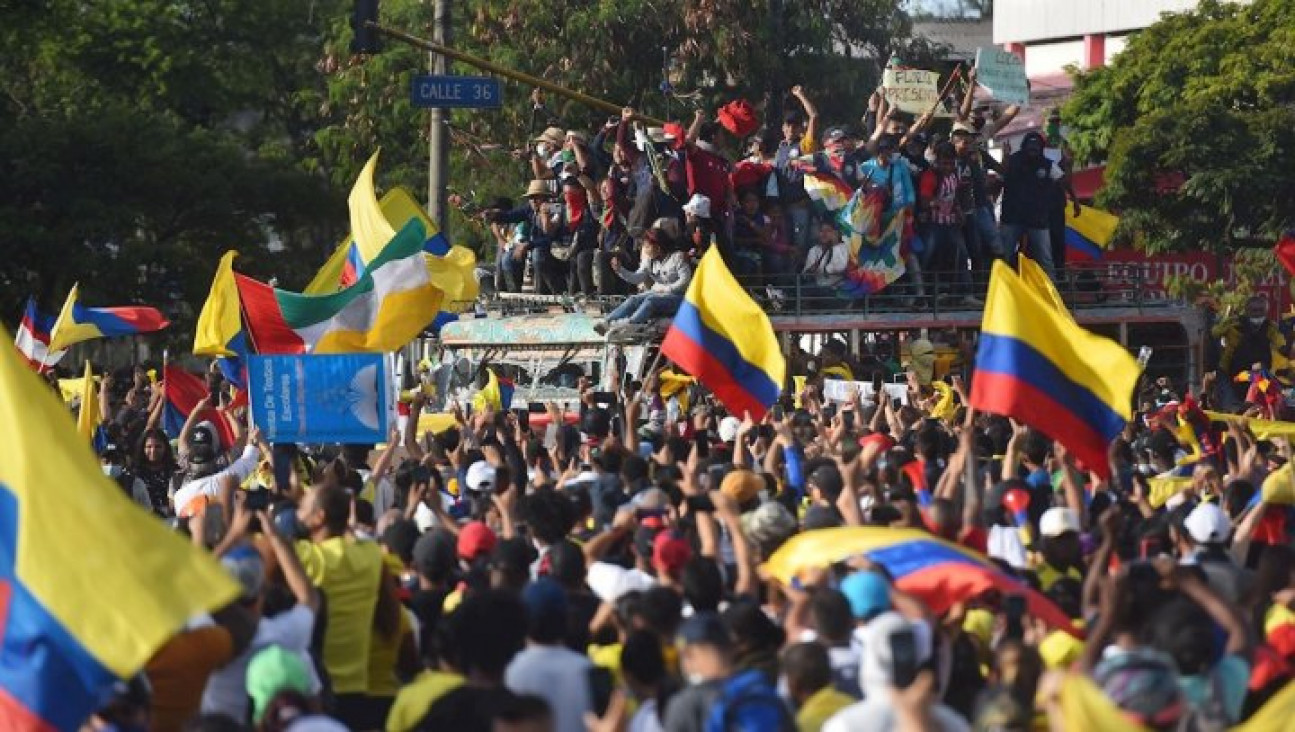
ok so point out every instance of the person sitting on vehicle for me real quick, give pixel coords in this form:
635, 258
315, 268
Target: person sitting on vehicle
825, 266
665, 274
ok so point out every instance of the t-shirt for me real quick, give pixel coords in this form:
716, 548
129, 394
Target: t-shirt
1026, 189
196, 491
609, 581
383, 654
418, 696
820, 707
688, 710
349, 573
646, 719
178, 673
875, 714
708, 174
226, 691
558, 675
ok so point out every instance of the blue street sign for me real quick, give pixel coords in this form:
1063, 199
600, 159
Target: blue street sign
460, 92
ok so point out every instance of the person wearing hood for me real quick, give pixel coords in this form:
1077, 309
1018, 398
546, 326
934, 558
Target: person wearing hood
1027, 189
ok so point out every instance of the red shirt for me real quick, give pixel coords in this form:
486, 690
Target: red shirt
708, 174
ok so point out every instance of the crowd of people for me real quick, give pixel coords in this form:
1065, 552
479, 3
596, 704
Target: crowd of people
604, 208
525, 571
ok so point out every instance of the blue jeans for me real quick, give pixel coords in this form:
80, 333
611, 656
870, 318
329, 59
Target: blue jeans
1038, 245
645, 306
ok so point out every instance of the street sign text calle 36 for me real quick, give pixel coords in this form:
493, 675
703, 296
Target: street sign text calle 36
461, 92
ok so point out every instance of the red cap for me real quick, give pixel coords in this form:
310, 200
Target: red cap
475, 539
677, 130
878, 438
670, 551
738, 118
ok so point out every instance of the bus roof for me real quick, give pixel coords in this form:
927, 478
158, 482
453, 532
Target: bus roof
524, 331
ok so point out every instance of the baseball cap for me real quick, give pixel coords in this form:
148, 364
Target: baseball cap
481, 476
1057, 521
670, 551
545, 600
202, 444
1208, 524
834, 134
400, 538
244, 563
742, 485
273, 670
728, 428
868, 593
475, 540
828, 479
705, 629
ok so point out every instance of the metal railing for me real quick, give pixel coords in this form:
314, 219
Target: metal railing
1083, 287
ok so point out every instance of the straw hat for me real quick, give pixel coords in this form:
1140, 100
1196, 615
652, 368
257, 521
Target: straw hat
538, 188
552, 135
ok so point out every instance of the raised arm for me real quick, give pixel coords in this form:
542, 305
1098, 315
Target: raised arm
811, 112
1004, 119
968, 99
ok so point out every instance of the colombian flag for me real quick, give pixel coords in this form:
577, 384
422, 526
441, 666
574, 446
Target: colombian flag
1088, 234
937, 572
1036, 365
183, 392
220, 324
722, 337
90, 585
78, 323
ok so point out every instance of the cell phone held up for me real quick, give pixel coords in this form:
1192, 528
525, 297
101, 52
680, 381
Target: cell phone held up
903, 656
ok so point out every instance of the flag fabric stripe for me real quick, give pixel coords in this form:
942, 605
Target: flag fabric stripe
57, 661
33, 337
828, 192
183, 392
41, 664
270, 332
722, 337
393, 300
710, 356
1089, 233
936, 571
1285, 250
1015, 362
1034, 363
1103, 366
77, 323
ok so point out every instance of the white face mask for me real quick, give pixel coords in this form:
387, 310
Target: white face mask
695, 679
112, 471
543, 149
1257, 321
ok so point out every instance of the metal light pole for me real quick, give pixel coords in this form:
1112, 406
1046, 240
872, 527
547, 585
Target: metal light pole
438, 162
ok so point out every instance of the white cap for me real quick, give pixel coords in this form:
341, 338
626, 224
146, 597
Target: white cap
877, 665
481, 476
1057, 521
698, 205
1208, 524
728, 428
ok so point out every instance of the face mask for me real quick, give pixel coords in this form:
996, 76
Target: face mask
1257, 321
695, 679
543, 149
112, 471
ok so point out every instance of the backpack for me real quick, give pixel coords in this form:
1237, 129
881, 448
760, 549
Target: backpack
748, 704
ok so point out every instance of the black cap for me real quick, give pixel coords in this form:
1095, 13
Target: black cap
400, 538
566, 563
202, 445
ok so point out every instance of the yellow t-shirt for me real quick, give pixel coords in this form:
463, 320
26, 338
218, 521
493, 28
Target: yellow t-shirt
820, 707
1048, 575
383, 654
349, 573
418, 696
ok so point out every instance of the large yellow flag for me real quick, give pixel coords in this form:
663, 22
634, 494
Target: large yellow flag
219, 322
87, 420
93, 584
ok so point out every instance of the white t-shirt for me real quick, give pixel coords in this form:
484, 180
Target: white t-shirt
646, 719
558, 675
226, 691
609, 581
210, 485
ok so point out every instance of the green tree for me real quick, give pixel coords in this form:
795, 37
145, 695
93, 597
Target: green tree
144, 137
1195, 121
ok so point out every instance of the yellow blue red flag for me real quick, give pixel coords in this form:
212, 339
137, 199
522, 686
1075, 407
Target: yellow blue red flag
1089, 233
91, 585
1037, 365
220, 324
724, 339
77, 322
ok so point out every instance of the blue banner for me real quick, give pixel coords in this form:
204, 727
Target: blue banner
320, 398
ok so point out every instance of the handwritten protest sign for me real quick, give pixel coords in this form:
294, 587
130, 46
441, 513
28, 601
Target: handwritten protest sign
914, 91
1003, 74
320, 398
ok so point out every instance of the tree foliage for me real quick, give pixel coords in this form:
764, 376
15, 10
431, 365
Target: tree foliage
1196, 123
